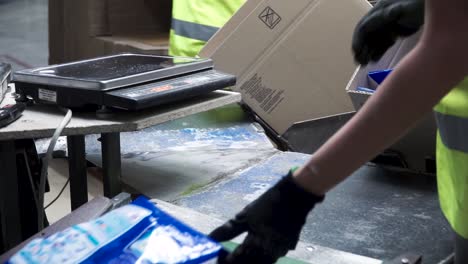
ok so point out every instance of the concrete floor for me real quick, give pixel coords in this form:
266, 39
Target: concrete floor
58, 175
24, 44
23, 33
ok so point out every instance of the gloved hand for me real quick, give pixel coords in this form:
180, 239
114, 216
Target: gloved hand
273, 222
383, 24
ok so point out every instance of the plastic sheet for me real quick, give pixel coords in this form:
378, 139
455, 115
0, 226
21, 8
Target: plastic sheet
135, 233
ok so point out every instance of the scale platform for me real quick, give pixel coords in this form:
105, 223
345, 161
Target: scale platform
125, 81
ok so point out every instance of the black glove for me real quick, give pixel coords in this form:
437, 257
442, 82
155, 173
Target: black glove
273, 222
379, 29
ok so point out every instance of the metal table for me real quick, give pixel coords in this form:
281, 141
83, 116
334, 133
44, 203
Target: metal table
40, 121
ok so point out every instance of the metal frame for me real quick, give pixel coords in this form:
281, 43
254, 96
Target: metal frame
111, 163
77, 171
9, 197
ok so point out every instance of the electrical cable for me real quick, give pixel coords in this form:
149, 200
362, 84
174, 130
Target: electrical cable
59, 194
45, 166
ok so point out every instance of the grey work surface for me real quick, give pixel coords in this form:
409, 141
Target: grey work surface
178, 157
375, 213
40, 121
200, 222
310, 253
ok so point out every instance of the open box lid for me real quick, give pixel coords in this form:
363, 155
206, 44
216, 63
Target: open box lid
292, 59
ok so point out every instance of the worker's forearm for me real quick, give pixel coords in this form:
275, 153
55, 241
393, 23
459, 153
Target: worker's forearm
415, 86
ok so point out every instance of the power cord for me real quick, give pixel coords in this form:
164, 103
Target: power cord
45, 167
58, 195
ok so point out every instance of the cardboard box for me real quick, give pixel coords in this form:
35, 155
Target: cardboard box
97, 20
89, 28
416, 148
292, 61
138, 16
144, 43
56, 31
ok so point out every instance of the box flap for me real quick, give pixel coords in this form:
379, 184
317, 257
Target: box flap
140, 41
138, 16
249, 40
229, 27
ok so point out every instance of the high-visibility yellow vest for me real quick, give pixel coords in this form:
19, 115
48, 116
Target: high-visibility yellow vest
452, 157
195, 21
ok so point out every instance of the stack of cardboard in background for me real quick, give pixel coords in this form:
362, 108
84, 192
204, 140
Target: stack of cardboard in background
89, 28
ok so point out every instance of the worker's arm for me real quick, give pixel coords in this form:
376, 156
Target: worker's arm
436, 64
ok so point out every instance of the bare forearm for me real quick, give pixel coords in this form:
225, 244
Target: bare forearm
408, 93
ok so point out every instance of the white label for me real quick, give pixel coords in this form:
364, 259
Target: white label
48, 95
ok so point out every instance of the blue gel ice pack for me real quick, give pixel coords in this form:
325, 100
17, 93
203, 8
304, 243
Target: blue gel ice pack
135, 233
379, 76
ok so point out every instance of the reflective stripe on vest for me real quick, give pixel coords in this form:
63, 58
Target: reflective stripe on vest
193, 30
453, 131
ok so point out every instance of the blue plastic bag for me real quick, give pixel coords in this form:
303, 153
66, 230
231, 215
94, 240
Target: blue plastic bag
379, 76
135, 233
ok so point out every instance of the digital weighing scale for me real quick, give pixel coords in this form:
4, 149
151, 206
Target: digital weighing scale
125, 81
